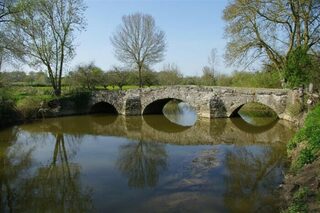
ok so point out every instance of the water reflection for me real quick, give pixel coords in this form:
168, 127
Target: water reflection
258, 121
162, 124
251, 172
180, 113
117, 163
14, 161
53, 187
246, 126
142, 163
56, 187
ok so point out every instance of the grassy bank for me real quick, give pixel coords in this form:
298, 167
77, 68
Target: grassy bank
302, 188
21, 104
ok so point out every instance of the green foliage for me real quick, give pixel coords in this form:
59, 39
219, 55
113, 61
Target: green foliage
149, 78
119, 77
309, 135
29, 107
297, 70
80, 98
8, 112
223, 80
250, 79
298, 204
23, 78
208, 78
86, 76
191, 80
170, 75
256, 79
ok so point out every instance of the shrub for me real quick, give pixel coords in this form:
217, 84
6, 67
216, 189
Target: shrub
29, 107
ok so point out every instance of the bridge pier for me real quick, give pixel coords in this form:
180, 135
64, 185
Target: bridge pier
132, 106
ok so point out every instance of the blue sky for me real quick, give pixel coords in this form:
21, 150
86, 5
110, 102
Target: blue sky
192, 27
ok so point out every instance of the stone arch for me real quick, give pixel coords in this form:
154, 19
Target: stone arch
235, 109
103, 107
156, 106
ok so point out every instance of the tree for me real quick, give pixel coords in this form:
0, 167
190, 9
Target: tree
150, 77
298, 65
212, 59
271, 29
170, 75
119, 77
208, 72
208, 77
7, 8
87, 76
8, 48
45, 32
139, 42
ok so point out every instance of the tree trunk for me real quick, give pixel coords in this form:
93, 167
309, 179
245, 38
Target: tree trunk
140, 75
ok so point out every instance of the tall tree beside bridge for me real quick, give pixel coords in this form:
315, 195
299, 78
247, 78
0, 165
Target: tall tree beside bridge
45, 31
139, 42
271, 30
8, 49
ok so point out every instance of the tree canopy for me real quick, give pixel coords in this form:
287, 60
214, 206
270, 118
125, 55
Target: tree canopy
45, 30
271, 29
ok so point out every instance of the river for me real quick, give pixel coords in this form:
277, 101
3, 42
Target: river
154, 163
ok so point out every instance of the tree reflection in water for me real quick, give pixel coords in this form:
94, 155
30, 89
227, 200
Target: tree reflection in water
14, 162
253, 175
56, 187
142, 163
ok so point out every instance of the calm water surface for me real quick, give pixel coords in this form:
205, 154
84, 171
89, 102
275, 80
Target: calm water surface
104, 163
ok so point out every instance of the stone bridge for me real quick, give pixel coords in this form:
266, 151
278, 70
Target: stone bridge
210, 102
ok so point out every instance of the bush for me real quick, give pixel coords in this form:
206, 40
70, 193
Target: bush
29, 107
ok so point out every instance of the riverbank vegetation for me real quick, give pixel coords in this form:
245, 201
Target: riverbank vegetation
302, 187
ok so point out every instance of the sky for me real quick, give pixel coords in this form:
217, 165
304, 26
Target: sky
192, 28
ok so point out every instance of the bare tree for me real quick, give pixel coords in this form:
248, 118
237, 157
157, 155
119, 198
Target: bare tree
212, 59
45, 32
139, 42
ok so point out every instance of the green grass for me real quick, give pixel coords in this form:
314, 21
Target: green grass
309, 134
298, 204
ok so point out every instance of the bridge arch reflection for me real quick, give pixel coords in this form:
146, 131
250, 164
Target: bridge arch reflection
103, 107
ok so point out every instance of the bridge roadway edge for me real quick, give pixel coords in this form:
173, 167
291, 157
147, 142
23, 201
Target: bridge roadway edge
209, 102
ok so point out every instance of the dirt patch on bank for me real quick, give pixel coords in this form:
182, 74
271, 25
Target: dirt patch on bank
301, 191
